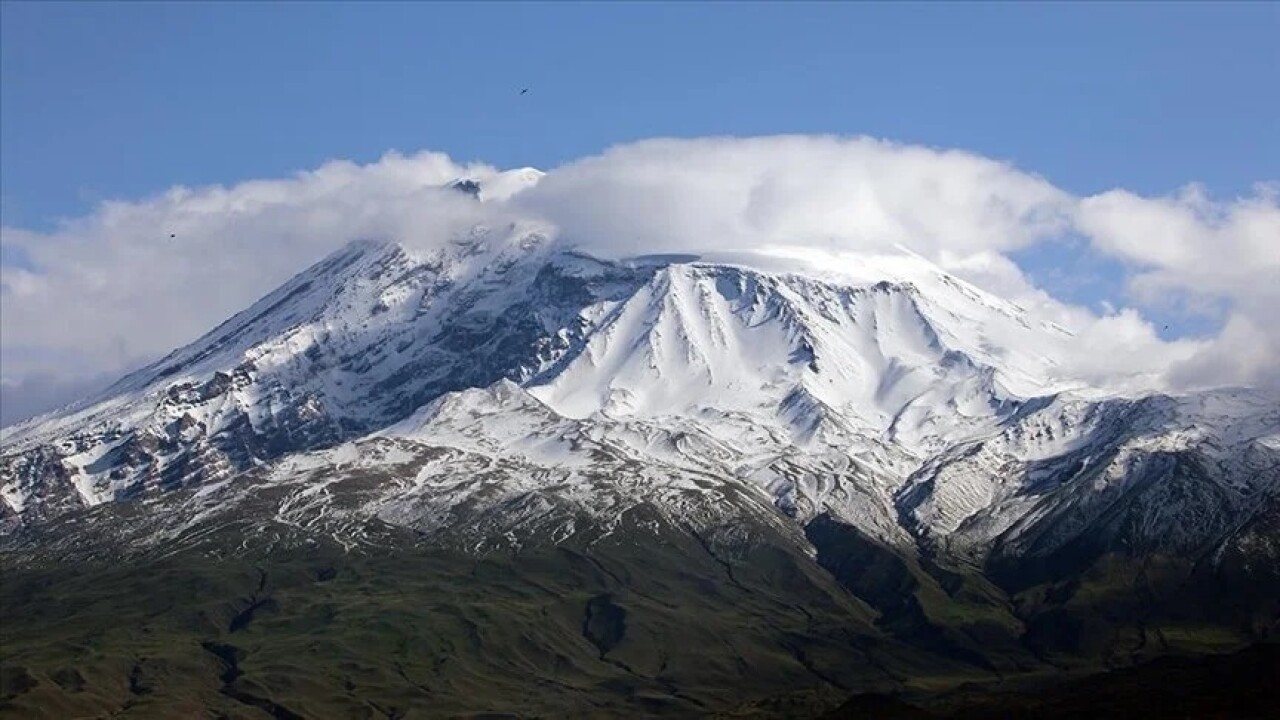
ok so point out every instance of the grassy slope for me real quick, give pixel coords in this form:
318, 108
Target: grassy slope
1233, 686
662, 627
635, 625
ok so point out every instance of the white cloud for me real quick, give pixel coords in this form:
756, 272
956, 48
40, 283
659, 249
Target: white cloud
1187, 240
1198, 254
724, 193
113, 287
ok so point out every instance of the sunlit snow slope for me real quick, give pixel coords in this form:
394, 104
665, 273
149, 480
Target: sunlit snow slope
891, 396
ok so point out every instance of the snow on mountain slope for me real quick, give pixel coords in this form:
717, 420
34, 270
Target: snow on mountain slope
881, 359
352, 344
553, 385
1183, 470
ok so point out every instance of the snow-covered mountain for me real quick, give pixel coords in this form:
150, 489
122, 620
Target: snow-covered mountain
505, 470
506, 382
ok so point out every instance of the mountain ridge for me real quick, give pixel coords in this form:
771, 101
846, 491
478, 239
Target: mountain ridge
880, 378
876, 483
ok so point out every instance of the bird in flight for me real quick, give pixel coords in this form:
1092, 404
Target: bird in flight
172, 235
524, 91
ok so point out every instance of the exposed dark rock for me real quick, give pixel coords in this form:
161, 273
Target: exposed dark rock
604, 623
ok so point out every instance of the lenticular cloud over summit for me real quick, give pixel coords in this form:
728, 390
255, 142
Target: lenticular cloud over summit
860, 194
105, 292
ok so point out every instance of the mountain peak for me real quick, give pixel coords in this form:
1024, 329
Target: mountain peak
498, 185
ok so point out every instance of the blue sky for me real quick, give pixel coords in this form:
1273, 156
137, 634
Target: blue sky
123, 100
106, 100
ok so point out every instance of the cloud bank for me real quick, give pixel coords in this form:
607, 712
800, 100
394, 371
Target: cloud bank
110, 290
